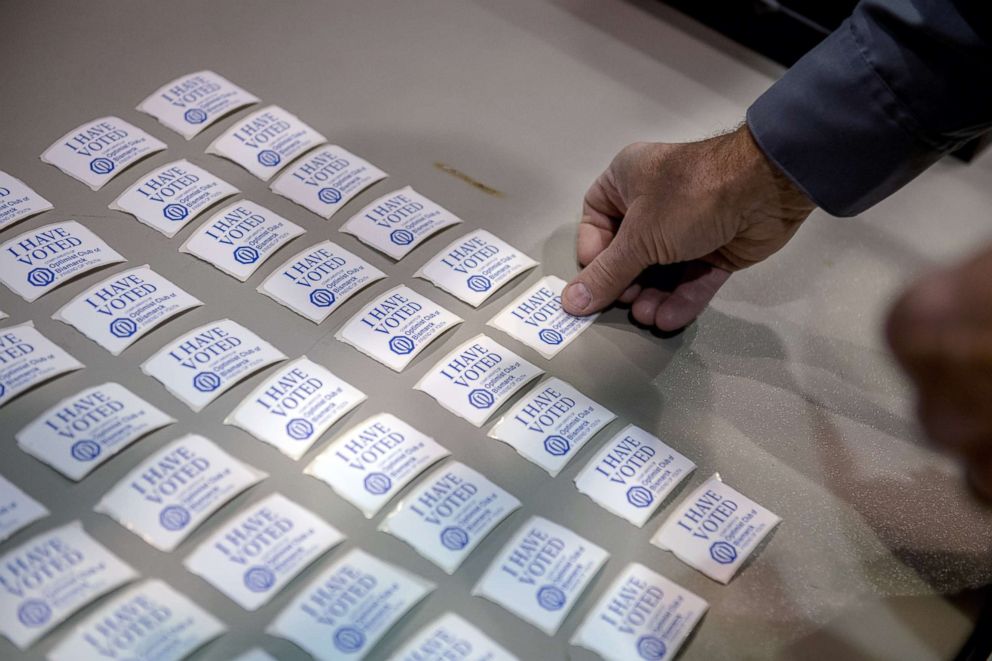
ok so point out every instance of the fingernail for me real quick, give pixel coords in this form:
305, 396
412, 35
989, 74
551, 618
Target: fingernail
577, 297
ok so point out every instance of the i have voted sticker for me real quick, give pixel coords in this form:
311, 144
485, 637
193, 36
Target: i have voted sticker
452, 637
169, 197
191, 103
395, 327
477, 378
541, 573
266, 141
83, 431
172, 492
315, 282
253, 556
39, 260
50, 577
446, 516
349, 607
240, 237
148, 621
17, 509
371, 462
633, 474
642, 615
398, 222
292, 409
28, 358
537, 319
551, 423
98, 151
475, 267
18, 201
327, 179
715, 529
202, 364
118, 311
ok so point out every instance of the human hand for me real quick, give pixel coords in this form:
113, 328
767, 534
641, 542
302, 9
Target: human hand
712, 207
941, 333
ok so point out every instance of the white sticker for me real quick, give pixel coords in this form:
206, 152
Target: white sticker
452, 638
191, 103
150, 621
118, 311
240, 237
477, 378
83, 431
537, 319
36, 262
475, 267
253, 556
266, 141
326, 180
541, 573
28, 358
633, 474
98, 151
398, 222
169, 197
551, 423
18, 201
446, 516
200, 365
371, 462
715, 529
642, 615
50, 577
395, 327
344, 612
316, 281
3, 315
171, 493
17, 509
292, 409
255, 654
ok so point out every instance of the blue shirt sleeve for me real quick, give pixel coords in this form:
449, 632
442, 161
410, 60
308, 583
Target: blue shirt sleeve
895, 87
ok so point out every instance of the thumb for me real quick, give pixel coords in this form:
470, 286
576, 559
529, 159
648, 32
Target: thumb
605, 278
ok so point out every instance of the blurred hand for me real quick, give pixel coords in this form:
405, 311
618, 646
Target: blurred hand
709, 207
941, 333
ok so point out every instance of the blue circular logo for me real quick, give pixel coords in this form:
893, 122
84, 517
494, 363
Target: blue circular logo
639, 496
85, 450
195, 116
723, 552
3, 389
122, 327
329, 195
348, 639
454, 538
41, 277
101, 165
299, 429
175, 212
377, 483
481, 399
401, 345
174, 518
402, 237
557, 445
34, 613
206, 382
322, 298
549, 336
245, 255
550, 598
259, 579
651, 648
269, 158
479, 283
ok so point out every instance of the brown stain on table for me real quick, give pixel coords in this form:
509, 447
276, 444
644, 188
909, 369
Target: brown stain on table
475, 183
